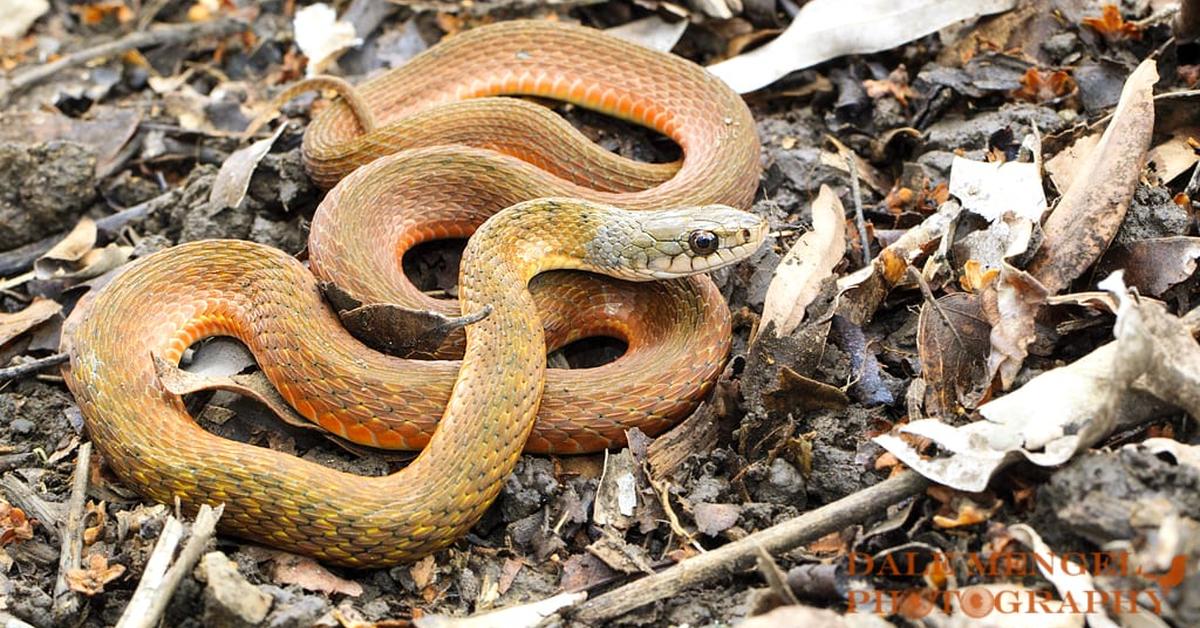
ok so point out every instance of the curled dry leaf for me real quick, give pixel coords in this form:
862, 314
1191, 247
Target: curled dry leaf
1154, 265
1011, 304
229, 188
952, 342
91, 579
76, 257
1093, 208
799, 275
14, 524
825, 29
36, 313
19, 15
1154, 362
253, 385
321, 36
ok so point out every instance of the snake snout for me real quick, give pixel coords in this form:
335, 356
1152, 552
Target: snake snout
696, 240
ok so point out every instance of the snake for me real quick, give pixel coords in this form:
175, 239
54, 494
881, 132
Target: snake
441, 155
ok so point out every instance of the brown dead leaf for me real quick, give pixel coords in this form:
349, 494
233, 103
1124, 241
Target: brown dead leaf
581, 571
309, 575
508, 573
1011, 305
962, 509
895, 85
423, 572
1112, 25
233, 180
110, 11
1154, 265
799, 275
953, 349
76, 256
1093, 208
14, 525
1040, 87
91, 579
36, 313
95, 532
975, 277
253, 385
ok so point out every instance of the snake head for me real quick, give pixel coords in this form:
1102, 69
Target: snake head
676, 242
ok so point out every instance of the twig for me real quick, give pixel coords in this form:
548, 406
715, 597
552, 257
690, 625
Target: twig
858, 208
21, 258
135, 40
32, 366
742, 553
159, 593
66, 601
152, 576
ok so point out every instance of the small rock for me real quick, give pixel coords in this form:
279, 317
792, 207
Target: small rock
43, 189
712, 519
21, 426
783, 484
529, 486
1061, 45
229, 600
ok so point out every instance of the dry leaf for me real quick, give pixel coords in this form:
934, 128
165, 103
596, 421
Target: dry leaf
1011, 304
1040, 87
94, 532
1070, 579
14, 525
713, 519
19, 15
652, 32
423, 572
1154, 265
991, 189
309, 575
799, 275
91, 579
1093, 208
108, 131
77, 258
522, 616
253, 385
321, 36
233, 180
952, 351
825, 29
863, 290
1112, 25
895, 85
36, 313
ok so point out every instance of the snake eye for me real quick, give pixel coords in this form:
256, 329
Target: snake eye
703, 242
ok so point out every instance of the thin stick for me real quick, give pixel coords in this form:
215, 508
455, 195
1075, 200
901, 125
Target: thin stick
202, 531
66, 601
139, 39
152, 576
858, 208
741, 554
33, 366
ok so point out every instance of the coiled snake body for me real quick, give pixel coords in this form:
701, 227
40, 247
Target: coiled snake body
677, 331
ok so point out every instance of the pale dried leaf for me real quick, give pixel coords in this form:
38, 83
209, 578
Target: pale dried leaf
19, 15
321, 36
1071, 581
523, 616
1174, 156
1093, 208
799, 275
36, 313
825, 29
1011, 304
253, 385
991, 189
233, 180
652, 32
76, 257
309, 575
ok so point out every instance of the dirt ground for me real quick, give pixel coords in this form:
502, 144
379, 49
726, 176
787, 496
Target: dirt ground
790, 425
